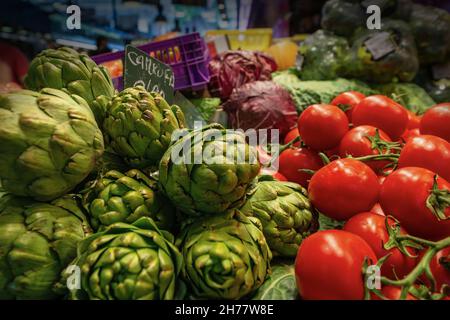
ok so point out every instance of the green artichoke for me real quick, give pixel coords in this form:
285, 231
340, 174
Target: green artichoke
226, 256
37, 241
128, 262
49, 142
73, 72
285, 214
210, 176
116, 197
139, 126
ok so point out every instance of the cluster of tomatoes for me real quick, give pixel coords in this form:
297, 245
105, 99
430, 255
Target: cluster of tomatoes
370, 162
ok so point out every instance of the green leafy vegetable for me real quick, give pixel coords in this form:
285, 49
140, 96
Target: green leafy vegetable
306, 93
409, 95
280, 285
326, 223
206, 106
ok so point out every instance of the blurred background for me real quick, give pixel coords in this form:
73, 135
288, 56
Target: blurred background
33, 25
30, 26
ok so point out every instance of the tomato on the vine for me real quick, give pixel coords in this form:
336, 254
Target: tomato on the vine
322, 126
409, 133
381, 112
377, 209
436, 121
344, 188
332, 154
329, 265
367, 141
440, 269
392, 293
347, 101
413, 120
293, 160
372, 228
418, 198
381, 178
291, 135
429, 152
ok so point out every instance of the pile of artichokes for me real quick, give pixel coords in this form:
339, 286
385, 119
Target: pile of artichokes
107, 195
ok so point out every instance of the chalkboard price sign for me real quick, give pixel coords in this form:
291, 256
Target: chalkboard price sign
380, 45
152, 74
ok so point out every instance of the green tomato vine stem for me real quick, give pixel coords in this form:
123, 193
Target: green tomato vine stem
382, 146
378, 157
423, 266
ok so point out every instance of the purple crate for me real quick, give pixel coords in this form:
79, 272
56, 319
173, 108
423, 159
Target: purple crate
187, 55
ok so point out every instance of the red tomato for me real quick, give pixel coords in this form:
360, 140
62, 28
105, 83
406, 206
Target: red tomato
413, 120
322, 126
347, 101
329, 265
381, 179
414, 132
381, 112
371, 227
436, 121
404, 195
332, 153
378, 210
429, 152
357, 143
440, 273
344, 188
385, 172
275, 174
291, 135
409, 134
278, 176
392, 293
292, 160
